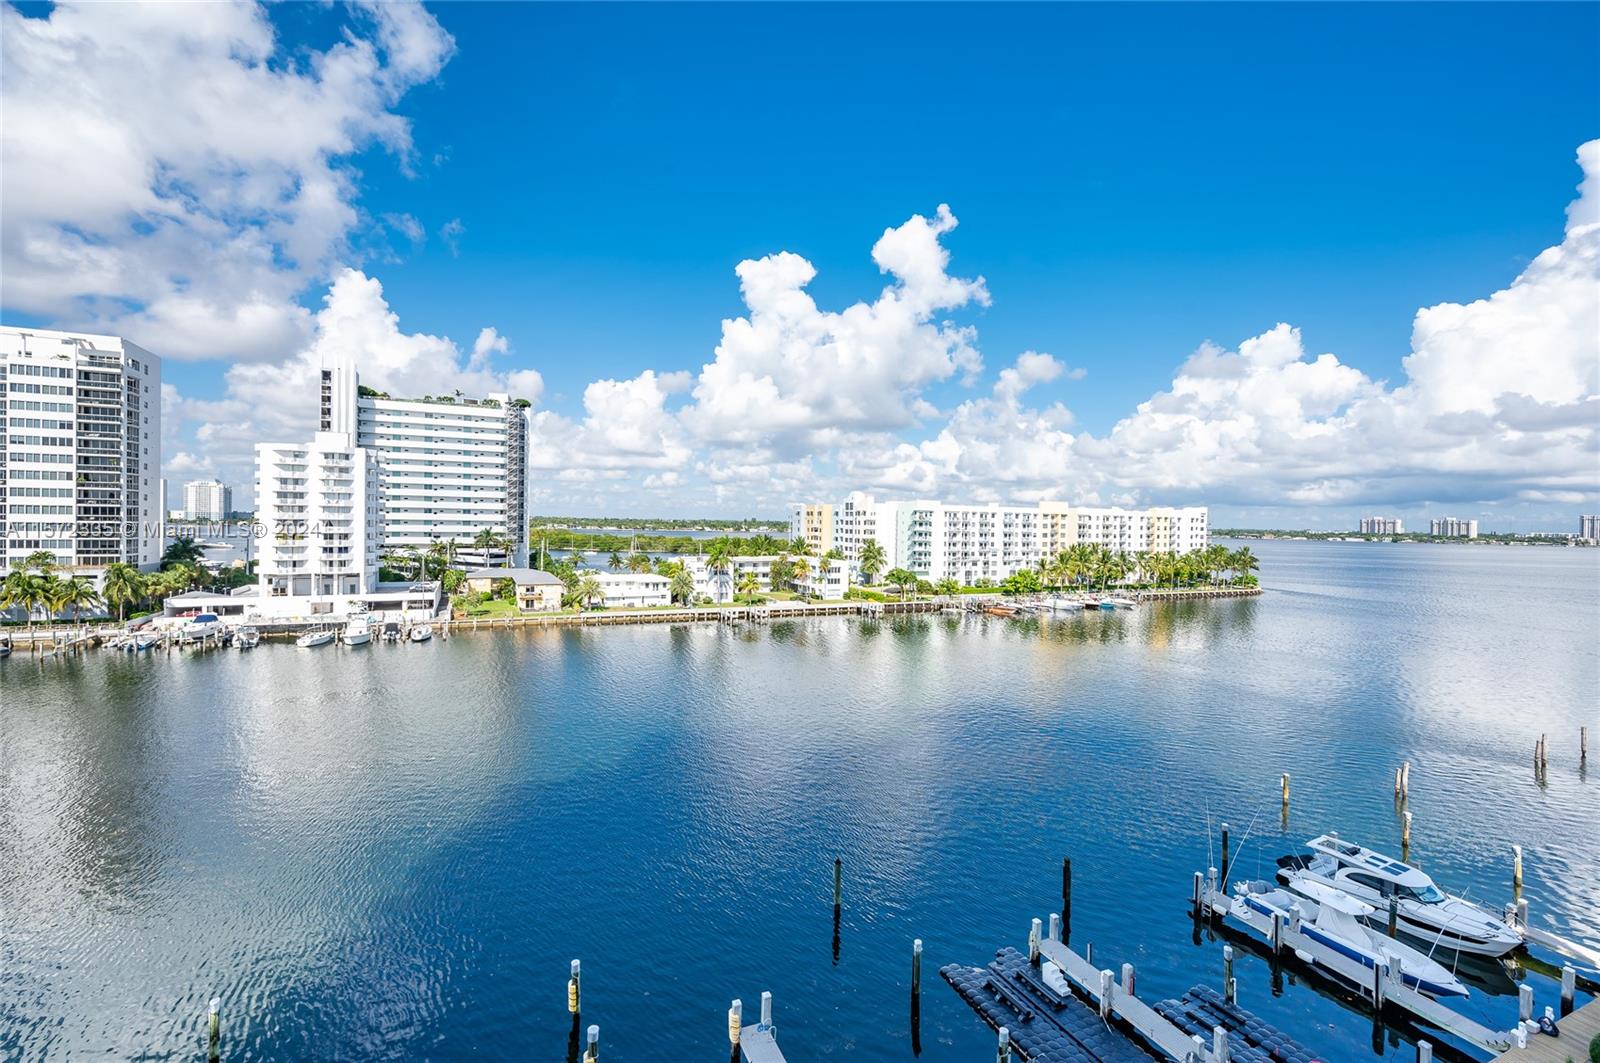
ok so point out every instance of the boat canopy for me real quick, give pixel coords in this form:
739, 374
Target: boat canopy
1384, 867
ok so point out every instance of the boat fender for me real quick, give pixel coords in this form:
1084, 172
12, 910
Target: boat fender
1304, 957
1547, 1024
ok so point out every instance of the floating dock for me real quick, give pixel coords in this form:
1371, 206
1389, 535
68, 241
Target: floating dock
1577, 1030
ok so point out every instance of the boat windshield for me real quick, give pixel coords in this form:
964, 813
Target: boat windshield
1429, 894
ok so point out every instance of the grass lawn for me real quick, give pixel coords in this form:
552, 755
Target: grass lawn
493, 609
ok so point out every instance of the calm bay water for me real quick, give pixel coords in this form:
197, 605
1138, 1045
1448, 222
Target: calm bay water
392, 852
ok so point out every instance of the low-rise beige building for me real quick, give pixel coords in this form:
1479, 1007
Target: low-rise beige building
537, 590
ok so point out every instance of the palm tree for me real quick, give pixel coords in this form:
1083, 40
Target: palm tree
615, 560
780, 571
682, 585
1244, 562
901, 578
799, 547
748, 585
183, 550
799, 569
123, 584
23, 588
485, 541
638, 563
76, 594
587, 590
872, 559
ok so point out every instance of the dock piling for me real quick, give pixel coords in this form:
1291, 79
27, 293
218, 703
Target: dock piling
1524, 1001
1394, 914
1127, 980
1522, 912
1066, 899
1405, 836
1405, 780
593, 1054
1583, 745
735, 1021
916, 972
1106, 993
1516, 871
1002, 1053
1227, 973
1380, 984
575, 990
1055, 926
1033, 943
766, 1009
1276, 940
1219, 1043
214, 1030
1199, 885
1283, 780
1569, 987
1424, 1052
1224, 857
838, 883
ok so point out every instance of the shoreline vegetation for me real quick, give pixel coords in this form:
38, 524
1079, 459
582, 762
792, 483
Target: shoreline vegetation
1497, 538
657, 524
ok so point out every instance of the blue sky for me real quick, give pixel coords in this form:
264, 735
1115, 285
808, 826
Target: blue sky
1131, 181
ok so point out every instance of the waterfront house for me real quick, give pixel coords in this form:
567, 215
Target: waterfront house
537, 590
634, 589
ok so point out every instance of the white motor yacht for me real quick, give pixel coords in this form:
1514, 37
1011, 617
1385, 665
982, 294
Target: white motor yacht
200, 627
422, 633
1333, 937
1423, 911
247, 638
314, 638
357, 632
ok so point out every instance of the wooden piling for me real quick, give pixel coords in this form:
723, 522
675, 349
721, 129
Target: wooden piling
575, 990
1002, 1053
1227, 973
1055, 926
1219, 1043
1424, 1052
1516, 871
1276, 940
766, 1009
1524, 1001
1105, 994
1224, 857
735, 1021
214, 1030
1405, 836
1066, 898
1583, 745
1522, 912
1033, 943
1195, 899
1405, 780
1397, 784
1380, 984
1283, 781
1569, 987
916, 971
1394, 914
838, 883
1127, 980
593, 1054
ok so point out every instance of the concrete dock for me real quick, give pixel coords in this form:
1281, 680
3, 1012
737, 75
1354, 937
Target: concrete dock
1577, 1030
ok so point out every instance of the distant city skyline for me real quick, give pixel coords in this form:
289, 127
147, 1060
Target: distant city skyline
719, 302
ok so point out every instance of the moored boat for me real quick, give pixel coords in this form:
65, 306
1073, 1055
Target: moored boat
1123, 603
357, 632
201, 626
391, 631
247, 638
1331, 935
5, 645
422, 633
1423, 911
314, 638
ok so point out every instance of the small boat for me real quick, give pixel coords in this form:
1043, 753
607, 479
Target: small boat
357, 632
200, 627
1122, 603
1001, 610
5, 645
391, 631
1334, 939
422, 633
1091, 603
144, 640
247, 638
314, 638
1108, 603
1423, 911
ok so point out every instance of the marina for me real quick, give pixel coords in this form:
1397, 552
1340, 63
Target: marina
400, 847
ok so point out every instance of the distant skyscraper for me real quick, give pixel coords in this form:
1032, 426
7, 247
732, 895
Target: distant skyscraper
1382, 526
80, 450
207, 500
1589, 526
1454, 528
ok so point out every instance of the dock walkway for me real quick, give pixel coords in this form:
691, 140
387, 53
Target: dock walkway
1577, 1030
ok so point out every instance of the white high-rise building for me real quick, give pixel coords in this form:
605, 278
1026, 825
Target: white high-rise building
447, 467
1453, 528
317, 503
207, 500
979, 543
80, 450
1382, 526
1589, 526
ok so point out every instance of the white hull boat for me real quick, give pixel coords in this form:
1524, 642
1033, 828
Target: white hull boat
314, 638
248, 638
1330, 934
357, 633
1423, 911
203, 626
421, 633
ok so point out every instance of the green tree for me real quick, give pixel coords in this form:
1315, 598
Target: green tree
25, 590
75, 594
1026, 581
183, 550
615, 559
948, 587
638, 563
587, 590
682, 586
902, 579
799, 547
872, 560
124, 583
748, 585
1244, 562
799, 570
42, 561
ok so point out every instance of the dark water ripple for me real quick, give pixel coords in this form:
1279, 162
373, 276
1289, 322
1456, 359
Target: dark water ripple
392, 852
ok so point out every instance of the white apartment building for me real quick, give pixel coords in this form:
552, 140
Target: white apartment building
1382, 526
318, 504
1589, 526
207, 500
1453, 528
977, 543
447, 467
634, 589
80, 450
826, 578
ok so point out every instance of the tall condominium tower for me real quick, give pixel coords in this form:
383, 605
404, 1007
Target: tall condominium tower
80, 450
